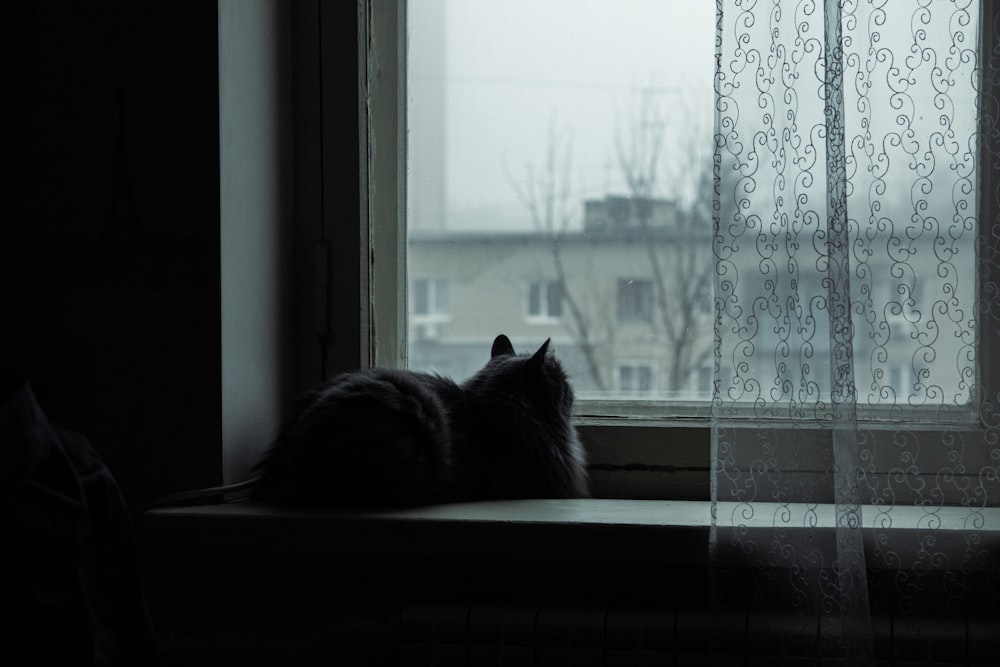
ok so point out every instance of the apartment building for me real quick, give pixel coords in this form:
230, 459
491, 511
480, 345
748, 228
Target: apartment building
619, 296
627, 299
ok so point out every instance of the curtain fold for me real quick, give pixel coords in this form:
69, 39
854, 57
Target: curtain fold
854, 409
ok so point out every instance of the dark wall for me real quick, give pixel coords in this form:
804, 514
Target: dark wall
110, 232
326, 153
110, 226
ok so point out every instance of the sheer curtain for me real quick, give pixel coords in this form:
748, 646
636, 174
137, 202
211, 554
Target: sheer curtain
855, 413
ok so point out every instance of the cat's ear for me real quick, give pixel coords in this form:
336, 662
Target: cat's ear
539, 357
501, 347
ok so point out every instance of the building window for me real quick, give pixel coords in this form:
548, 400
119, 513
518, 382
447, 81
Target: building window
635, 300
901, 382
635, 377
544, 301
431, 299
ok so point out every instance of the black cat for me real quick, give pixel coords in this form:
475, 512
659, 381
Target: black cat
390, 437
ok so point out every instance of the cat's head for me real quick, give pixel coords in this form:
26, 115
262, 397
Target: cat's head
538, 378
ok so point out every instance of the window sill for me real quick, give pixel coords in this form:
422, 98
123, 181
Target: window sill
256, 572
589, 530
573, 530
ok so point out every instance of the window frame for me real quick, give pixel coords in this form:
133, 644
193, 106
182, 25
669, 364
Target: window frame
382, 137
645, 449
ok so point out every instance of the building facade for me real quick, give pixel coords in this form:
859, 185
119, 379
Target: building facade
626, 299
629, 301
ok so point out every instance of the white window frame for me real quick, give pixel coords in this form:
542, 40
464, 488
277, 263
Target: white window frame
681, 431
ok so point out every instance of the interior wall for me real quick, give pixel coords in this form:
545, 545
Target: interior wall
110, 237
254, 104
111, 248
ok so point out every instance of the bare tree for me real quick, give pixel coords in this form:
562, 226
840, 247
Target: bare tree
679, 257
678, 250
546, 195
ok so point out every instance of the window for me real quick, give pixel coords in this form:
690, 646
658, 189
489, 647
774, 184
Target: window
635, 377
594, 232
900, 382
544, 301
520, 161
430, 299
704, 388
635, 300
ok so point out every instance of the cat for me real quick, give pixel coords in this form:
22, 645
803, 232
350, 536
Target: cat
385, 437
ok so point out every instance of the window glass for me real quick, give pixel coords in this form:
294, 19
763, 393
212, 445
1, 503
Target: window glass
635, 377
544, 300
635, 300
559, 175
421, 298
534, 299
441, 305
567, 146
553, 302
430, 298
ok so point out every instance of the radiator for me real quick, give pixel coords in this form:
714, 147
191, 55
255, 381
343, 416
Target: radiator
489, 634
506, 634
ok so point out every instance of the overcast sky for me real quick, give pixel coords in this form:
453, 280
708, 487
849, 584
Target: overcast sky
512, 69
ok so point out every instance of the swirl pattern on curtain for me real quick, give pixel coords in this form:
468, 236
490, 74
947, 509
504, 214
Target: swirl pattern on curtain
855, 425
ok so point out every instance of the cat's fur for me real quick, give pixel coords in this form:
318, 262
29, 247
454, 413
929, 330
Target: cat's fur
391, 437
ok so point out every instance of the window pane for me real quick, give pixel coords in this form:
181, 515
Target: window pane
903, 253
554, 301
535, 299
441, 300
542, 170
625, 379
635, 300
421, 305
635, 377
645, 378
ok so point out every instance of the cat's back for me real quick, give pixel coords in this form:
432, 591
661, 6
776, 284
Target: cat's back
369, 437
